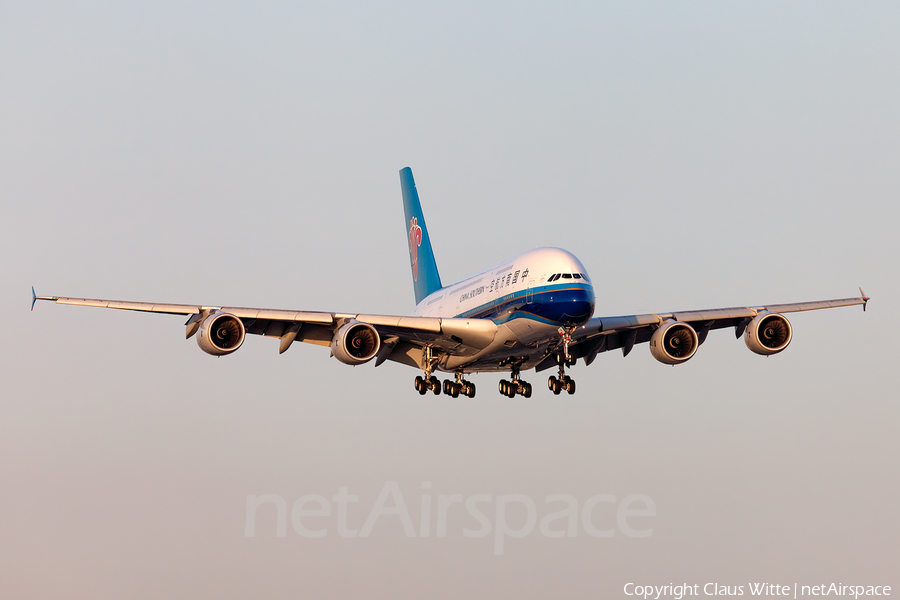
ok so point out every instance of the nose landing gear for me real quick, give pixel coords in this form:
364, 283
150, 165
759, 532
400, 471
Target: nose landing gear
558, 384
564, 359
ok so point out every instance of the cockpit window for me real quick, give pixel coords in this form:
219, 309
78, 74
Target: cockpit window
553, 277
567, 276
576, 275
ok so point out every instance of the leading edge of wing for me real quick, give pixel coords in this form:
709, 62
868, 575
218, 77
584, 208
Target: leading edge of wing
602, 334
171, 309
471, 332
612, 324
195, 309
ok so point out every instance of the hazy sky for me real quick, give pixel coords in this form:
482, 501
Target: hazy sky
692, 155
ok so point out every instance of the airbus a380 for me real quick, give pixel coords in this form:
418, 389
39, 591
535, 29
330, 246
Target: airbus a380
533, 311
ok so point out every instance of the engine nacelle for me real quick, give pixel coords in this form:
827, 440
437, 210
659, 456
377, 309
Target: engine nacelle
355, 343
674, 343
768, 333
220, 334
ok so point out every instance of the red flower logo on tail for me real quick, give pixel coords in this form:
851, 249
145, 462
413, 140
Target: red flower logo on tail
415, 240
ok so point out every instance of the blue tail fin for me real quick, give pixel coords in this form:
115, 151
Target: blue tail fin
421, 258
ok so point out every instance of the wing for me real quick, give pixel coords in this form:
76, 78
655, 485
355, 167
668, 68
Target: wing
602, 334
403, 338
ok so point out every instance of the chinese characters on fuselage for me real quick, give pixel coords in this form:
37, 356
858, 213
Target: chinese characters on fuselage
510, 278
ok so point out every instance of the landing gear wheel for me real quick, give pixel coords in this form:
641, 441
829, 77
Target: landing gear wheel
470, 390
421, 385
454, 390
555, 385
570, 386
502, 387
526, 390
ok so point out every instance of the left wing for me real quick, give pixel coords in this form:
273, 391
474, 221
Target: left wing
602, 334
401, 339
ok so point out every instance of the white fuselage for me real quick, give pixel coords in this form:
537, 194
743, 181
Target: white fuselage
529, 297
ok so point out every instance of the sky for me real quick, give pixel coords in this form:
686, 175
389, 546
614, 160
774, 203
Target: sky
692, 155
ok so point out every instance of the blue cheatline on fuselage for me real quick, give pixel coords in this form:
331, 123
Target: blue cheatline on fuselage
554, 305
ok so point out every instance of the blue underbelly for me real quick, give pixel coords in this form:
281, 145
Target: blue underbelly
569, 305
563, 305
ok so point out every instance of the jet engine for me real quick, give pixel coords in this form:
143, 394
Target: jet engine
768, 333
220, 334
355, 343
674, 343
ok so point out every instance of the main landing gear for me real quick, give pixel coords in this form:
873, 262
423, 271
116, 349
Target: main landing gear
516, 386
460, 386
427, 383
430, 383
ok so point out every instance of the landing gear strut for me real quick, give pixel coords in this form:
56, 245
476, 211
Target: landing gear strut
516, 386
429, 382
564, 359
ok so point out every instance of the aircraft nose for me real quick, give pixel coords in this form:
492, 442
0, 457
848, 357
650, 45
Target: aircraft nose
580, 306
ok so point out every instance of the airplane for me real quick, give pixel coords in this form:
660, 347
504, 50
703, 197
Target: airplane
533, 311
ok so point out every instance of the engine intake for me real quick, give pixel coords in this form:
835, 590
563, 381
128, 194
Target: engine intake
355, 343
221, 334
674, 343
768, 333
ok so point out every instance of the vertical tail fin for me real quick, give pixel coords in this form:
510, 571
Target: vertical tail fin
421, 258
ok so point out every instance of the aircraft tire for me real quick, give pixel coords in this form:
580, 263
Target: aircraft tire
556, 386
